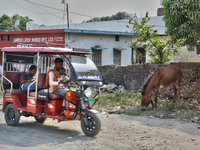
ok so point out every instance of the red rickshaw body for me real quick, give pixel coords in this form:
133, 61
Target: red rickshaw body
40, 103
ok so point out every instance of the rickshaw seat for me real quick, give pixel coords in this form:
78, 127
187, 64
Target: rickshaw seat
55, 96
14, 77
41, 79
41, 82
16, 91
51, 96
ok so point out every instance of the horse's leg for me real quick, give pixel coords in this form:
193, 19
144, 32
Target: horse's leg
174, 90
156, 97
152, 104
178, 91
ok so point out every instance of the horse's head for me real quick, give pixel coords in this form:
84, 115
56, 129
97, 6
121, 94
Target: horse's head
145, 100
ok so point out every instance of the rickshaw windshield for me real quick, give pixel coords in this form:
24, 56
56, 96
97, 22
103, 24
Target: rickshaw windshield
85, 69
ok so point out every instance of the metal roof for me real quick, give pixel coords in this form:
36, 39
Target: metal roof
97, 32
98, 47
33, 31
43, 50
115, 27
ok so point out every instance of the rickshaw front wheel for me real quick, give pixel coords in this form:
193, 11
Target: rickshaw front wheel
40, 119
12, 115
94, 124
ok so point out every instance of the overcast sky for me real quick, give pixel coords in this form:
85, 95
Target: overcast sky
86, 8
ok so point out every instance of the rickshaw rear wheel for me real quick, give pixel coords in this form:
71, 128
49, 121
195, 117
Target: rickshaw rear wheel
40, 119
12, 115
94, 124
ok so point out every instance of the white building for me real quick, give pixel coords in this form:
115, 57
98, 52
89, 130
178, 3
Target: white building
108, 40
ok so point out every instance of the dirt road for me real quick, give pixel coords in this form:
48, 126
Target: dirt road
118, 132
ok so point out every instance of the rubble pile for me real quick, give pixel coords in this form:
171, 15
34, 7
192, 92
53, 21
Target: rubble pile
112, 87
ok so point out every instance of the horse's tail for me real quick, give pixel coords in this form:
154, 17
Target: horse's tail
180, 74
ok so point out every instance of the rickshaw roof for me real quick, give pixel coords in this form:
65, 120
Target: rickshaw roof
43, 50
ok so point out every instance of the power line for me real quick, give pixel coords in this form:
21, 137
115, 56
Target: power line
81, 14
72, 17
47, 11
28, 9
57, 8
43, 5
36, 5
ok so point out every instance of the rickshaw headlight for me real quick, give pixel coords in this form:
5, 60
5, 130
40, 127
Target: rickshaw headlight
88, 92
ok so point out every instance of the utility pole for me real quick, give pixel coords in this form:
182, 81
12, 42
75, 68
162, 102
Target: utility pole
64, 15
67, 15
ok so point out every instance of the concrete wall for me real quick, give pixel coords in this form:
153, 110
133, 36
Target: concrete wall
187, 56
87, 41
183, 56
133, 76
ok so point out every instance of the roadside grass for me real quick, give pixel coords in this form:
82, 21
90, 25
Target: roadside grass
129, 103
118, 99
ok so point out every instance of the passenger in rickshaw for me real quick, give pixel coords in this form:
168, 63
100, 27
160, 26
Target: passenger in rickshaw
26, 79
55, 81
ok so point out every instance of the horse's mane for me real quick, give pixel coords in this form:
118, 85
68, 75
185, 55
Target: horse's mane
147, 82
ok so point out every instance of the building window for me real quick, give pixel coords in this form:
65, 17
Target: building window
10, 37
117, 57
3, 37
116, 37
96, 57
140, 55
198, 49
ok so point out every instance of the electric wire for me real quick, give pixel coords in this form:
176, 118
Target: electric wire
78, 13
29, 9
57, 8
36, 5
47, 11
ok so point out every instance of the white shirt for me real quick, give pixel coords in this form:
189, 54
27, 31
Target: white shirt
53, 83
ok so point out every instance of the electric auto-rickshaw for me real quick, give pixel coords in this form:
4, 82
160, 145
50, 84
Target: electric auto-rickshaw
83, 87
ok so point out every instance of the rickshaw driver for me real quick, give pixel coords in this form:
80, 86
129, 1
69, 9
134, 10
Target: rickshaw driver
26, 79
55, 81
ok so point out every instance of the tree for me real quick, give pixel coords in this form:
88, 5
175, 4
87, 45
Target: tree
160, 50
4, 17
7, 23
182, 19
117, 16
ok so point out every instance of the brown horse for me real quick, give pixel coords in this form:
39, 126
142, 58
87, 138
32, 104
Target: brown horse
161, 78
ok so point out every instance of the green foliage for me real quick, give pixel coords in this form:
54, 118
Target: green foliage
7, 23
42, 25
160, 52
168, 105
130, 102
182, 19
167, 109
4, 17
118, 16
117, 98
